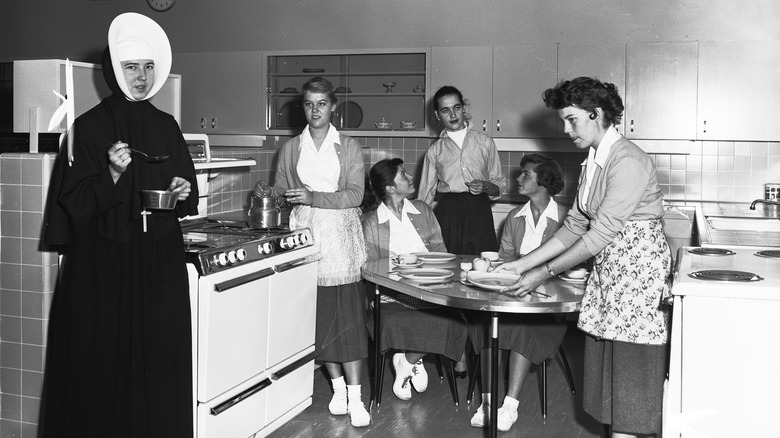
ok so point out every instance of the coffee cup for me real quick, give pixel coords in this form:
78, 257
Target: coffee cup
407, 259
490, 255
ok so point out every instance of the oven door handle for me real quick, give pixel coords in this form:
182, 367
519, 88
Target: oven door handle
225, 285
294, 366
281, 267
243, 395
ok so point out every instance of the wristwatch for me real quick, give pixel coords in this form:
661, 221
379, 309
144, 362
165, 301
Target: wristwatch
549, 270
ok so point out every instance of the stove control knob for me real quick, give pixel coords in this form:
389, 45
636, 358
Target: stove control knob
232, 257
304, 239
287, 242
241, 254
221, 259
264, 248
297, 239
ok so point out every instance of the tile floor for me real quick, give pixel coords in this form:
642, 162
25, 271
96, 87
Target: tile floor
433, 413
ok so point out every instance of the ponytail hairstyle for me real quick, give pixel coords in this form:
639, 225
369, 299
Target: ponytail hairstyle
381, 175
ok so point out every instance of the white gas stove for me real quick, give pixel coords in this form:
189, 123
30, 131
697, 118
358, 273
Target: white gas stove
724, 378
253, 299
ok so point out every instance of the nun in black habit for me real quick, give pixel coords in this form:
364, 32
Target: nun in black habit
120, 345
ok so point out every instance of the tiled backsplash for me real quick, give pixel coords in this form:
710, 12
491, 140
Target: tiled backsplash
27, 278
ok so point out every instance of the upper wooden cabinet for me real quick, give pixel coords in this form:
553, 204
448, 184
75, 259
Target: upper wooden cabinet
520, 76
470, 70
221, 92
605, 61
660, 95
739, 85
380, 92
502, 86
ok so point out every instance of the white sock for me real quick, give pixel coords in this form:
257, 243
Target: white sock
510, 403
353, 394
338, 383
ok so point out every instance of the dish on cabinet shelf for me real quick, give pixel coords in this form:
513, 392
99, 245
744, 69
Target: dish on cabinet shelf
383, 124
290, 90
408, 125
348, 115
343, 90
291, 115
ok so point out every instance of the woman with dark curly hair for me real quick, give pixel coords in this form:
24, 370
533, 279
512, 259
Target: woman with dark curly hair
616, 218
531, 339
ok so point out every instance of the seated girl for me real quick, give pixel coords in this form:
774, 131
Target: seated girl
531, 338
399, 225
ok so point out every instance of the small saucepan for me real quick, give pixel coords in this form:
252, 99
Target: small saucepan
159, 199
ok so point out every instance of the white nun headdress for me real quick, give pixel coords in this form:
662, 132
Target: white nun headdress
135, 36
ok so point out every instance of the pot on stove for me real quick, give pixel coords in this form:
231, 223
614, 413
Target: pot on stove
264, 212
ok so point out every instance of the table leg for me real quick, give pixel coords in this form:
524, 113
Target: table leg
377, 360
494, 375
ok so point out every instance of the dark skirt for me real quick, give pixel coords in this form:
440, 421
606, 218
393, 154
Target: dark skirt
341, 324
623, 384
535, 337
441, 330
466, 223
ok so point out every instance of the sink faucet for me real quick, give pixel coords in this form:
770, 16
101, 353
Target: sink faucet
753, 205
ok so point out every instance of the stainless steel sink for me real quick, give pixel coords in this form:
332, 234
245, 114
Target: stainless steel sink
744, 224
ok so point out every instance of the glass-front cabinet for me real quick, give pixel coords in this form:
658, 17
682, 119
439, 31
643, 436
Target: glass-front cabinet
379, 92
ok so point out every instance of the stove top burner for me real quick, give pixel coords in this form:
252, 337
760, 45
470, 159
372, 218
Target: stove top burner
724, 275
711, 251
191, 245
769, 253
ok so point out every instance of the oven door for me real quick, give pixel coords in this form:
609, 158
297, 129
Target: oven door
293, 298
233, 307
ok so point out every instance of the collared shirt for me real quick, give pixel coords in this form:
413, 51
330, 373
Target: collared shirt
403, 235
319, 169
535, 231
597, 157
447, 167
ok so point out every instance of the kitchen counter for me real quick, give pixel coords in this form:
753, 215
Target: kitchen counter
708, 236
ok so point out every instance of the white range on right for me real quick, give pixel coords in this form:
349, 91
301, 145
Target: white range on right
724, 376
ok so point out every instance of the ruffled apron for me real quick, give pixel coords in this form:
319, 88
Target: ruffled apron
338, 235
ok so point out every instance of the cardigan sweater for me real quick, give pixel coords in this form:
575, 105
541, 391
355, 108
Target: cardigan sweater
351, 175
378, 235
514, 232
624, 189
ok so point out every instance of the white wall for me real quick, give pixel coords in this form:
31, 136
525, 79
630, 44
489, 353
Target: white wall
77, 28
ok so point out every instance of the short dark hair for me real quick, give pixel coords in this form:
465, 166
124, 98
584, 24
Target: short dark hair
318, 84
587, 94
548, 172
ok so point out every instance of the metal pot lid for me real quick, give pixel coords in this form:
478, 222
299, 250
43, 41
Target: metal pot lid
725, 275
711, 251
769, 253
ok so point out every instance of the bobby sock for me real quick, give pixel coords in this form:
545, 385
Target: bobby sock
339, 383
353, 394
511, 403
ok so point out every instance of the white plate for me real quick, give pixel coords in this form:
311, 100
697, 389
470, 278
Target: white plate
492, 280
416, 264
426, 275
435, 257
573, 280
497, 262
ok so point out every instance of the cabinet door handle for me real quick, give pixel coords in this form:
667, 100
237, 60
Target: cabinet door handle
632, 125
705, 127
498, 125
213, 122
202, 122
484, 124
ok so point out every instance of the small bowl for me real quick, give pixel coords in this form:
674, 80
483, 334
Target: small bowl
490, 255
576, 274
159, 199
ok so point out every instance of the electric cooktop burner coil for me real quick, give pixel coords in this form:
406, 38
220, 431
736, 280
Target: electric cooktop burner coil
711, 251
725, 275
